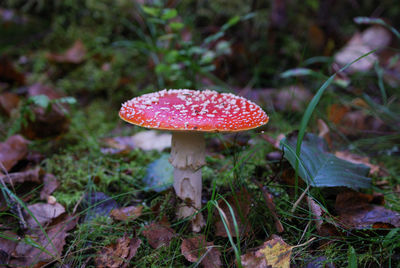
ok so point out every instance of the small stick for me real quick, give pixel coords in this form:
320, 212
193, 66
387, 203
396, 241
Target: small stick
271, 206
299, 200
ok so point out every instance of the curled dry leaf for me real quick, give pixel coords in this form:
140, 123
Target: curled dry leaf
8, 243
118, 254
39, 250
126, 213
273, 253
8, 102
145, 140
240, 203
197, 248
361, 211
158, 235
32, 175
44, 213
356, 159
74, 55
50, 184
15, 148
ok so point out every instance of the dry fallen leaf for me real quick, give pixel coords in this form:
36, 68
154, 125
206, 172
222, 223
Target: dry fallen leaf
274, 253
354, 122
292, 98
44, 213
119, 253
158, 235
360, 211
145, 140
7, 246
376, 37
8, 102
15, 148
32, 175
40, 89
40, 250
197, 247
324, 131
353, 158
8, 73
75, 54
46, 123
50, 184
354, 49
126, 213
240, 203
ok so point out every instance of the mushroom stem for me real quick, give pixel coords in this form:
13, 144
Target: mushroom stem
187, 158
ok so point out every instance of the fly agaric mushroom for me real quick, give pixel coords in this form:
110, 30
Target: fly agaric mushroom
188, 114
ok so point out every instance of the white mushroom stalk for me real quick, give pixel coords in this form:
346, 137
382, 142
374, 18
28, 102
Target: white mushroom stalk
187, 158
188, 114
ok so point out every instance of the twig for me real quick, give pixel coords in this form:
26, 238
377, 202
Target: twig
299, 200
271, 206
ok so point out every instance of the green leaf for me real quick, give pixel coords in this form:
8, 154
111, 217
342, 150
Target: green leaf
352, 258
152, 11
41, 100
319, 168
169, 13
176, 26
67, 100
234, 20
300, 72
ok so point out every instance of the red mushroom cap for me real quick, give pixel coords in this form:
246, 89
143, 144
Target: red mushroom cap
192, 110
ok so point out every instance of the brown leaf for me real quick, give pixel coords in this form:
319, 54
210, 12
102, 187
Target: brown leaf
336, 112
126, 213
197, 247
119, 253
74, 55
50, 184
158, 235
46, 123
7, 246
44, 213
292, 98
273, 253
15, 148
32, 175
240, 203
324, 131
317, 213
8, 102
376, 37
354, 49
354, 122
8, 73
40, 89
30, 255
145, 140
359, 211
353, 158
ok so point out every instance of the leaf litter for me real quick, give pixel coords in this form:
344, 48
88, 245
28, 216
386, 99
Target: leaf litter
158, 234
197, 250
118, 254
